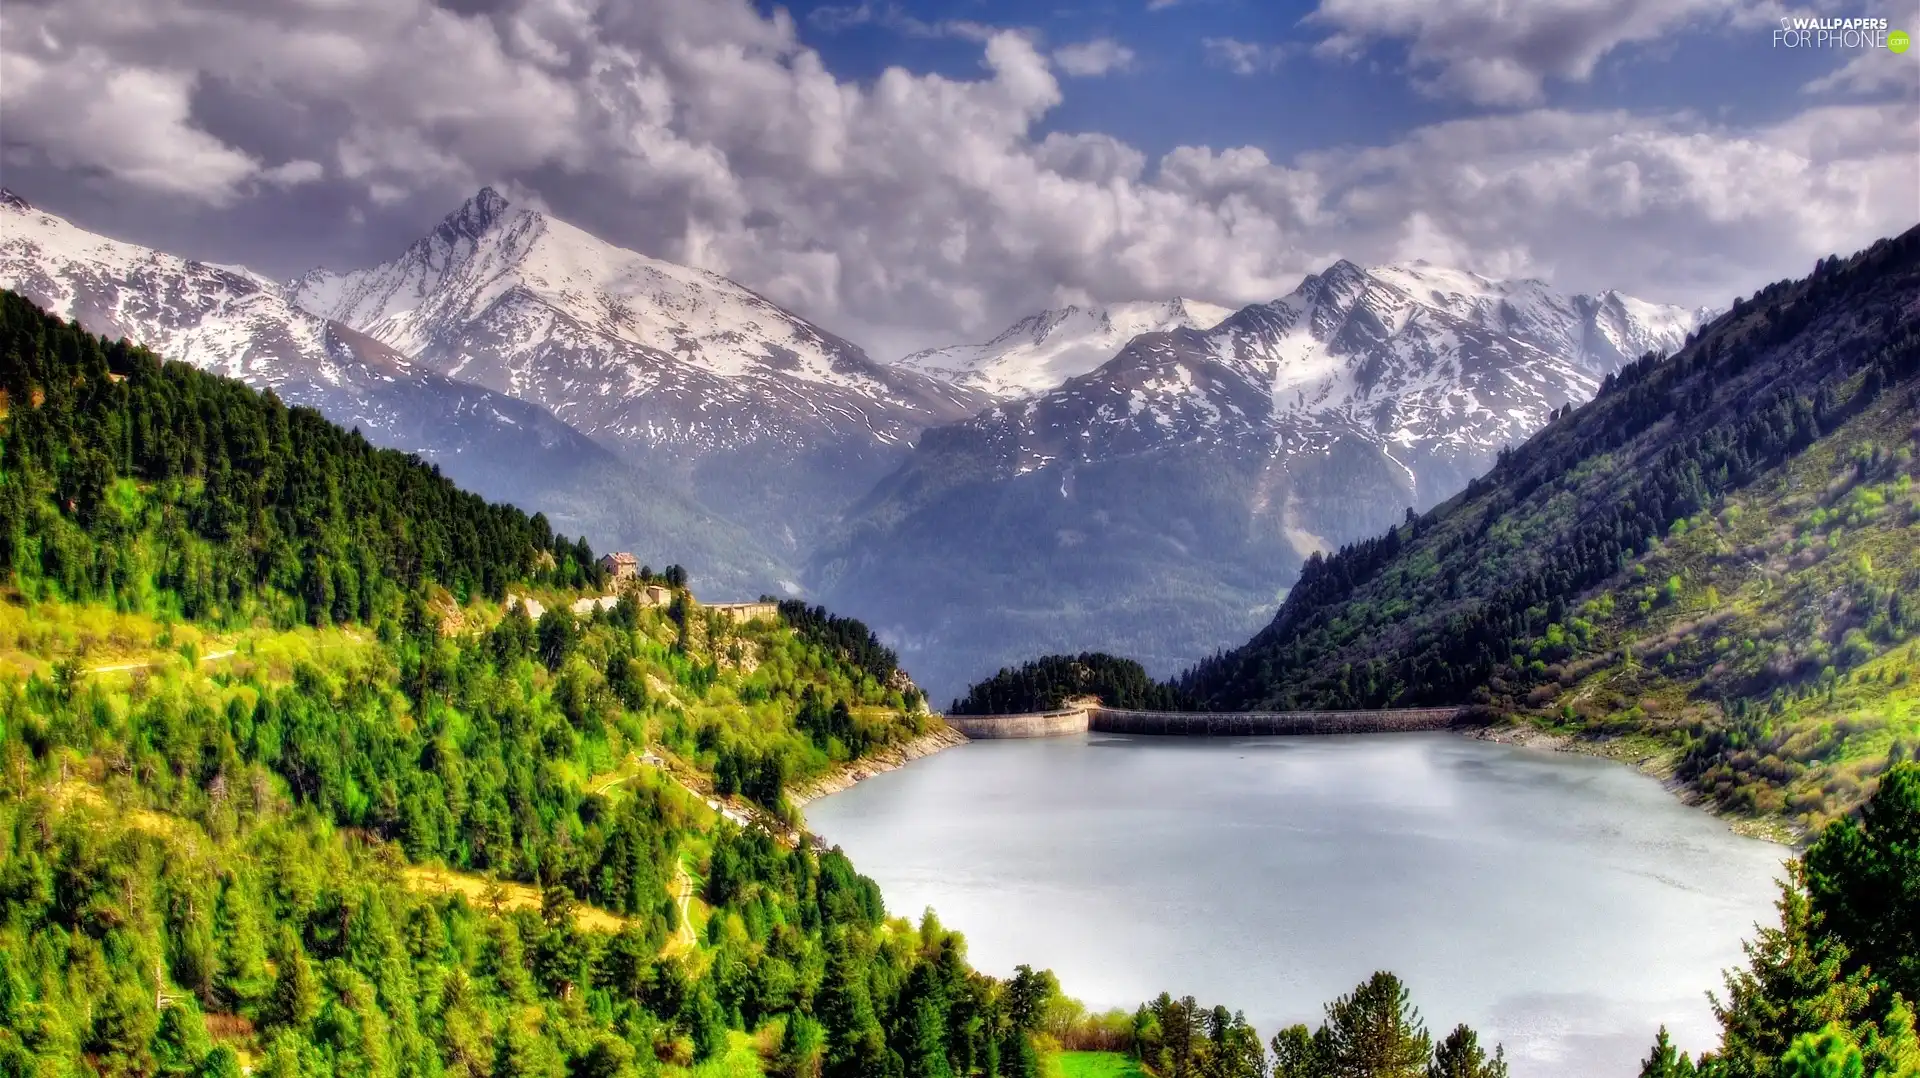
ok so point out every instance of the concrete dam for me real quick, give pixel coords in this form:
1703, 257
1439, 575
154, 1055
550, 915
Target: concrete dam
1107, 720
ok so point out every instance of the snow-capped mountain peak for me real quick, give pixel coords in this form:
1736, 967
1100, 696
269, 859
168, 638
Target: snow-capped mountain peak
234, 322
1434, 368
1211, 461
226, 319
1042, 350
521, 301
474, 217
780, 421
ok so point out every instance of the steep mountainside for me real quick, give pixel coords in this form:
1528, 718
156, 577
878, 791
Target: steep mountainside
1043, 350
1721, 549
1156, 503
777, 421
236, 323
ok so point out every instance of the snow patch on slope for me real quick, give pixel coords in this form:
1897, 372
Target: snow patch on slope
620, 344
1043, 350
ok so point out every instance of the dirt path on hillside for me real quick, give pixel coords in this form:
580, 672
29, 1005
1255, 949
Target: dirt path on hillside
143, 664
684, 940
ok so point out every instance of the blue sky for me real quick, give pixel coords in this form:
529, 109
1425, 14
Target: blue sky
921, 172
1178, 90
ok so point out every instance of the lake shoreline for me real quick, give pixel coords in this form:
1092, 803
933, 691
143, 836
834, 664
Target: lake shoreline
892, 757
1272, 879
1659, 764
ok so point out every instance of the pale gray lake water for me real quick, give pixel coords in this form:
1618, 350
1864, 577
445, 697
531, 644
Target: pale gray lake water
1564, 905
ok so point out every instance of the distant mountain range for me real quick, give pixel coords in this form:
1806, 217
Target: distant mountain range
1162, 502
1043, 350
1142, 477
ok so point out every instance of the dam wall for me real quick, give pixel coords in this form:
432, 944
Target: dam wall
1108, 720
1037, 724
1264, 723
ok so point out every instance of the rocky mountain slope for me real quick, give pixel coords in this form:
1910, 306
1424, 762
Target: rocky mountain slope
1043, 350
774, 421
233, 322
1154, 503
1721, 552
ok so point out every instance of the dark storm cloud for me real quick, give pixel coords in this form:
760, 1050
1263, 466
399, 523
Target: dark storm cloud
912, 209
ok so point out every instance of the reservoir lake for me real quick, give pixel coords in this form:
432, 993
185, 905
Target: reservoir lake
1564, 905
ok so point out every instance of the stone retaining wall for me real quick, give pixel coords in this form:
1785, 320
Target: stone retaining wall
745, 611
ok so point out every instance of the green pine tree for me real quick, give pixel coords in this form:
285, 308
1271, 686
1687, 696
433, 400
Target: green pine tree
1296, 1054
1666, 1061
1826, 1054
1795, 982
1375, 1032
1893, 1050
802, 1048
1863, 881
295, 997
1459, 1055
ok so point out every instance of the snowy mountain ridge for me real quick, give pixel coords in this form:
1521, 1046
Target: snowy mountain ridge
1042, 350
233, 322
630, 349
1159, 503
1411, 359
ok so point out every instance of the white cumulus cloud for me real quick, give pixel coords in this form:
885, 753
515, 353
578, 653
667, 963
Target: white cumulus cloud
903, 210
1242, 57
1096, 57
1501, 53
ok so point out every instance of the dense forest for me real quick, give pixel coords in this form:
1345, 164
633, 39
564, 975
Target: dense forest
1046, 683
849, 639
139, 483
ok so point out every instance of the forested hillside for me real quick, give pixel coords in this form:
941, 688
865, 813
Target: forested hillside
362, 818
1046, 683
1722, 550
291, 783
156, 486
847, 638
